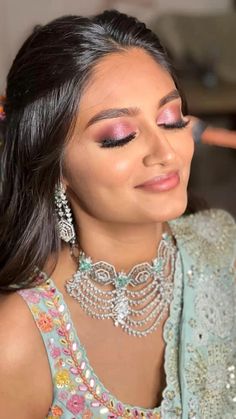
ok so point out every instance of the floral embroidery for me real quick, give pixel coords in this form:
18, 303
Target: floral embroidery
87, 414
75, 404
208, 238
211, 309
207, 378
207, 235
56, 410
45, 322
63, 395
205, 337
62, 378
79, 389
55, 351
171, 405
32, 296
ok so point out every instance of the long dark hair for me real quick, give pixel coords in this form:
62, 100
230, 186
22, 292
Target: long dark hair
44, 86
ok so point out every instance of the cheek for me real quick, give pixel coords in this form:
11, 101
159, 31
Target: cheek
103, 168
190, 149
185, 149
120, 170
114, 170
187, 156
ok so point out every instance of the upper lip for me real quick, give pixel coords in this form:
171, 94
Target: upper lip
158, 178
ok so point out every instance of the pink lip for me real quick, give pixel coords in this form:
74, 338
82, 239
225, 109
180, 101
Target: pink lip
161, 183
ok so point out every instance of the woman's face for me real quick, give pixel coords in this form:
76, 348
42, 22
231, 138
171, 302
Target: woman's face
129, 158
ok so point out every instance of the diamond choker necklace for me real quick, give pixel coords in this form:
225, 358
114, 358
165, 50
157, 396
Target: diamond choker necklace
136, 301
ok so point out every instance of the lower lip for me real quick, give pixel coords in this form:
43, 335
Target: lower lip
162, 185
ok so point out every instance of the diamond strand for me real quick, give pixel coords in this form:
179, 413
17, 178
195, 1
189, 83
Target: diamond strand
139, 309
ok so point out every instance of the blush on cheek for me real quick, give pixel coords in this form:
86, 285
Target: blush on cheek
122, 166
117, 172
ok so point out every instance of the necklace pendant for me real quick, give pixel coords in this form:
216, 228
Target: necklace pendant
121, 308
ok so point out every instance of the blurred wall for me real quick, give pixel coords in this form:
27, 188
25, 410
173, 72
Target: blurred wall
18, 17
197, 6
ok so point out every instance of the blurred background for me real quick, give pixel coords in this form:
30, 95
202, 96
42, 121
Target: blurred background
201, 39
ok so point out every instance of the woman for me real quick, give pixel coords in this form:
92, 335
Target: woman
110, 308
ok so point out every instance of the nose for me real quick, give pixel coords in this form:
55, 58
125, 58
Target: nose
159, 150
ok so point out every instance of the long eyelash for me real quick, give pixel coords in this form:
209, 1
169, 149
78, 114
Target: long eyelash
109, 142
176, 125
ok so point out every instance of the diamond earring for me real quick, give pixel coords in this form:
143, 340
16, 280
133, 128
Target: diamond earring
64, 216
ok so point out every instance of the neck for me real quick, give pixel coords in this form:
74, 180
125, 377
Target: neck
121, 245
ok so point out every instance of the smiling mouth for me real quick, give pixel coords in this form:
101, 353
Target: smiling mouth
161, 183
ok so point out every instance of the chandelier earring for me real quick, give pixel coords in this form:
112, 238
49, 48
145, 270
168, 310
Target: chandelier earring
64, 216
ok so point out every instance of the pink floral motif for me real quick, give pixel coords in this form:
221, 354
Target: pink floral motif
75, 404
55, 352
66, 368
61, 331
48, 293
66, 351
31, 296
53, 313
63, 395
105, 397
120, 407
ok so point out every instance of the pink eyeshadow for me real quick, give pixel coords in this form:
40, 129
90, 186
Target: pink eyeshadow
170, 115
119, 130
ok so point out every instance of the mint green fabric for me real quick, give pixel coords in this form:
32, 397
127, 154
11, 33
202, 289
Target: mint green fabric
200, 335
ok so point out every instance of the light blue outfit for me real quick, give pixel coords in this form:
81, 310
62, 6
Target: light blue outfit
200, 334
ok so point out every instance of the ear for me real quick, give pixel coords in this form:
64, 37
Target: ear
64, 181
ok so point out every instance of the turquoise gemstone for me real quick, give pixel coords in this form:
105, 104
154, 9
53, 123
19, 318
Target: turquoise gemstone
85, 264
122, 280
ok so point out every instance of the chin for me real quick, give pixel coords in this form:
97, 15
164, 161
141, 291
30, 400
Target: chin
174, 209
176, 213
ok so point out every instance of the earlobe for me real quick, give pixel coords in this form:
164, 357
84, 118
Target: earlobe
64, 183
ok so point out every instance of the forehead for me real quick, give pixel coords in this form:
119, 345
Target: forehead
124, 79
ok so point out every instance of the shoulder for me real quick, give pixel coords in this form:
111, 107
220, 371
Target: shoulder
208, 224
209, 236
23, 360
17, 325
207, 243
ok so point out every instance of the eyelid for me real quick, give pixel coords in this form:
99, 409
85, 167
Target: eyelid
172, 112
181, 123
115, 142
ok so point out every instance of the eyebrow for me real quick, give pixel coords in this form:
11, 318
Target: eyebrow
133, 111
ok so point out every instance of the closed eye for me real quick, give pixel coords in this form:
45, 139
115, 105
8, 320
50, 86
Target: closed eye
114, 142
176, 125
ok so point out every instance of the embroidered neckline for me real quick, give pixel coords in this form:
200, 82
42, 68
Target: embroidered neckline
91, 382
